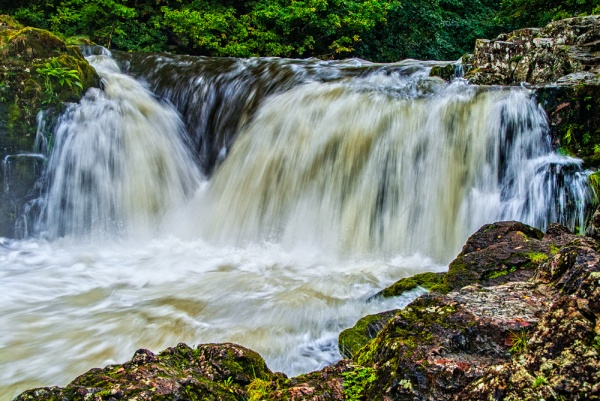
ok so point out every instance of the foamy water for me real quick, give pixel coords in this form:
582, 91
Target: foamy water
68, 307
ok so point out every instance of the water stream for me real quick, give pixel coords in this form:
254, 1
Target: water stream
259, 201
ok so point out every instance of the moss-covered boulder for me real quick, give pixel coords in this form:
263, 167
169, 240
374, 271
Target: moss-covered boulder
354, 338
39, 71
210, 372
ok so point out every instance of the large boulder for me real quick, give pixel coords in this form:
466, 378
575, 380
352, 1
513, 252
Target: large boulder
498, 252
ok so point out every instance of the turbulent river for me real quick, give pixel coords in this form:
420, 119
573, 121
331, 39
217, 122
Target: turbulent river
259, 201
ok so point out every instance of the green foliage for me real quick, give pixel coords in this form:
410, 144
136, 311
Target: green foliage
535, 13
355, 382
519, 340
258, 390
430, 29
275, 28
539, 381
54, 74
378, 30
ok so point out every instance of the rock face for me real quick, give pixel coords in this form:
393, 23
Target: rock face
562, 60
516, 336
540, 55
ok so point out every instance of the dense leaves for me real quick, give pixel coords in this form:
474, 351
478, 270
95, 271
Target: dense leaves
378, 30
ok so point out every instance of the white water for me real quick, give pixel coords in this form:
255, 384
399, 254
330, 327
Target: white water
333, 192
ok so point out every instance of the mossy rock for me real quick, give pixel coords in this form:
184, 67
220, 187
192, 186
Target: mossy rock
24, 91
356, 337
446, 72
210, 372
33, 43
419, 352
433, 282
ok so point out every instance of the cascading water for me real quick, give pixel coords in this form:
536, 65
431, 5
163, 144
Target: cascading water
118, 163
386, 165
343, 177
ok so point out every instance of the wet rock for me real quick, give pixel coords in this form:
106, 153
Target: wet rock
497, 253
431, 281
444, 71
209, 372
353, 339
38, 71
333, 383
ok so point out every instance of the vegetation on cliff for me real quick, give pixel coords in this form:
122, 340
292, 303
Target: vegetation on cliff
378, 30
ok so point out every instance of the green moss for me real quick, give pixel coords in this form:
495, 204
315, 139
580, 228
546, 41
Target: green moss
354, 338
459, 275
356, 381
537, 257
495, 274
431, 281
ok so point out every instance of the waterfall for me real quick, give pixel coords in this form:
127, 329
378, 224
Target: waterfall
390, 165
258, 201
118, 161
352, 157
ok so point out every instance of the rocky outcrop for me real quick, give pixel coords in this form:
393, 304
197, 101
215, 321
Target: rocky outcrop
540, 55
209, 372
516, 336
561, 64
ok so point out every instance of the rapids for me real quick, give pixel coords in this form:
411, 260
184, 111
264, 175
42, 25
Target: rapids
258, 201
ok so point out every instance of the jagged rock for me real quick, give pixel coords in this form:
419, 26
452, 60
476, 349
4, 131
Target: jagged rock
563, 61
209, 372
539, 55
561, 360
497, 253
439, 344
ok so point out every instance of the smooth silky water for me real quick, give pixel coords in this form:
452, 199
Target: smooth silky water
345, 178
